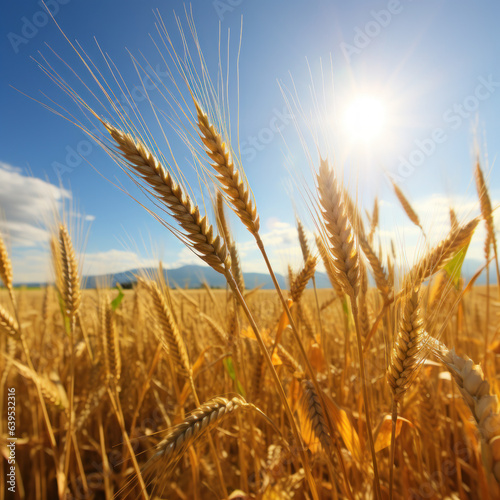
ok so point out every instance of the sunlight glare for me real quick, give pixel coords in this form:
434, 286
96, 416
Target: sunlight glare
364, 119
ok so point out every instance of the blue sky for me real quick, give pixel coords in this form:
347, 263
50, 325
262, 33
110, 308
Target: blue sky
433, 64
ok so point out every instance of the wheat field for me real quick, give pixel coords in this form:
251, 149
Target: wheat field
165, 393
382, 386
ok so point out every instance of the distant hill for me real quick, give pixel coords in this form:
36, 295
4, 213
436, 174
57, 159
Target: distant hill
193, 276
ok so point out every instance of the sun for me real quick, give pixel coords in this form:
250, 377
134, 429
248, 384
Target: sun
364, 118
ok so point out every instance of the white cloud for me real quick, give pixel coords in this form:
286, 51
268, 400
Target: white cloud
9, 168
31, 265
114, 261
185, 258
281, 244
27, 209
434, 213
26, 203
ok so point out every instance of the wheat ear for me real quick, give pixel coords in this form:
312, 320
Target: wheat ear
110, 342
230, 243
299, 282
352, 211
304, 245
5, 266
330, 271
412, 215
484, 202
378, 270
441, 254
8, 324
52, 390
207, 416
171, 338
289, 362
306, 254
374, 221
70, 280
345, 258
228, 175
487, 214
312, 408
406, 356
483, 404
198, 233
453, 219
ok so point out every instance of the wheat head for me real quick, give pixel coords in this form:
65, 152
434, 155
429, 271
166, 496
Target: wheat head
237, 191
197, 231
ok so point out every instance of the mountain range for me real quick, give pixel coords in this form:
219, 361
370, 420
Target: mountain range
193, 276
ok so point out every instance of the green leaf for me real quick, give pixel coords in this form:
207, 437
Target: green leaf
454, 267
345, 306
348, 317
229, 366
115, 303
